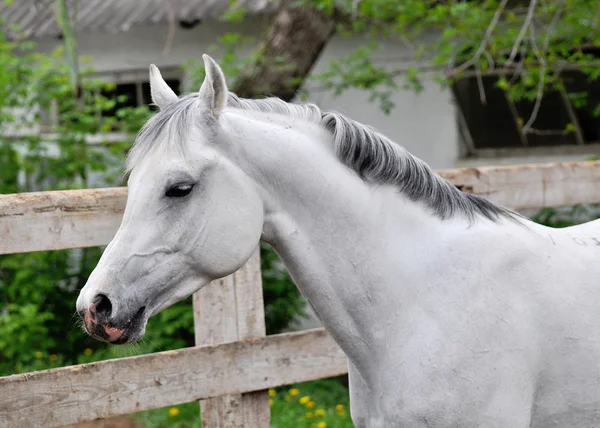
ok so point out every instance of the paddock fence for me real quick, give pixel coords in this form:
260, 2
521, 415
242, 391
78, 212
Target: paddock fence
234, 362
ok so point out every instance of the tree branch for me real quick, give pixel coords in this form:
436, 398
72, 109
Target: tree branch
292, 46
480, 86
553, 25
521, 36
171, 33
64, 21
484, 42
542, 77
543, 64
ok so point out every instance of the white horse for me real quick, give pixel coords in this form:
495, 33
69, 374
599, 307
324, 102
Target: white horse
453, 311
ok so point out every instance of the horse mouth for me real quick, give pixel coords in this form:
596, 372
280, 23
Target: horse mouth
116, 334
132, 331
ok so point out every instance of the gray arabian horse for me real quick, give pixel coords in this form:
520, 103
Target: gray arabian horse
453, 311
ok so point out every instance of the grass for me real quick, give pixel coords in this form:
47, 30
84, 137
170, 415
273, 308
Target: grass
316, 404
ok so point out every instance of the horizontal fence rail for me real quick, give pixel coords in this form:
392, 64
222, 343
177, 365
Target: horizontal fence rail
58, 397
85, 218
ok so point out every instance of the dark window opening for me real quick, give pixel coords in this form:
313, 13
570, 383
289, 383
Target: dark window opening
147, 97
586, 110
495, 124
491, 125
135, 94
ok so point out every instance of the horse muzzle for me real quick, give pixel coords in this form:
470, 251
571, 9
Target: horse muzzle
101, 324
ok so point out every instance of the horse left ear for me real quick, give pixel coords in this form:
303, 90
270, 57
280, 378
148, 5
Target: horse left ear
162, 94
214, 90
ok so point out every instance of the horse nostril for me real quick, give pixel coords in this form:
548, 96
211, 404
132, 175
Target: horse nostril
102, 305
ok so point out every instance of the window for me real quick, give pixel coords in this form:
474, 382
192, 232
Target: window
134, 85
495, 128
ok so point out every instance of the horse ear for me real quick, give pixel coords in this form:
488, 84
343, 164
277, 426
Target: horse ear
214, 90
162, 94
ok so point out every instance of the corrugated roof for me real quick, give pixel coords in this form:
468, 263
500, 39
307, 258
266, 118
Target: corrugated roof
36, 18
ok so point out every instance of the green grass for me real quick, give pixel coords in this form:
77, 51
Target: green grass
317, 404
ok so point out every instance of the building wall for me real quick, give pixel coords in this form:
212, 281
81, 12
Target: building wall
423, 123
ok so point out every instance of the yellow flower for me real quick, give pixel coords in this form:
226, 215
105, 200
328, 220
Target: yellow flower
272, 393
173, 411
53, 357
320, 412
38, 355
270, 401
294, 391
288, 398
88, 352
304, 399
309, 415
310, 404
321, 425
339, 407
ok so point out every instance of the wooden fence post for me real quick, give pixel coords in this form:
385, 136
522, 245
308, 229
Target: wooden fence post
229, 310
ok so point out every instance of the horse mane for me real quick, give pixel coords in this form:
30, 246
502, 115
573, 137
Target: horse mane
373, 156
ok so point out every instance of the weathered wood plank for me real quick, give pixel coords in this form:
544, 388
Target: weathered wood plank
215, 322
229, 310
55, 220
533, 185
250, 324
67, 395
84, 218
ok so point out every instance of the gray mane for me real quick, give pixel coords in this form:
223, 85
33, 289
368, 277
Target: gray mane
374, 157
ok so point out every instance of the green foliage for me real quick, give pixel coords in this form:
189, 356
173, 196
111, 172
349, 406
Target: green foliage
182, 416
453, 37
567, 216
446, 40
38, 290
283, 301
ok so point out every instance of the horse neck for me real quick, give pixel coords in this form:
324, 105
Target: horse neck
344, 243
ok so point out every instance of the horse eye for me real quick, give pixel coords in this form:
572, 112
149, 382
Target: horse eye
179, 191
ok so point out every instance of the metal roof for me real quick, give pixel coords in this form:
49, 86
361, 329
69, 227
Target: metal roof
36, 18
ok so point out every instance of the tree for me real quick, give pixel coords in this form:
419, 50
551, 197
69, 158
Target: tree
286, 56
528, 44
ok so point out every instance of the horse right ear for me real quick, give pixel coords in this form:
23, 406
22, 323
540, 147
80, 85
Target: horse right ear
162, 94
214, 90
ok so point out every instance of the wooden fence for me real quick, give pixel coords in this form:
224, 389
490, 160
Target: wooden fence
233, 363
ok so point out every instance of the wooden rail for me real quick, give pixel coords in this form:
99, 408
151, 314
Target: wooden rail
85, 218
67, 395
